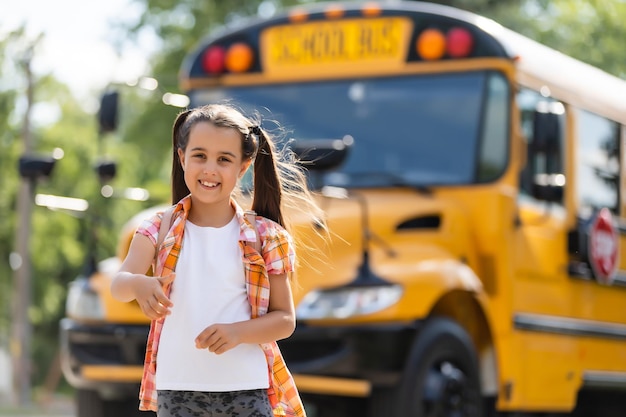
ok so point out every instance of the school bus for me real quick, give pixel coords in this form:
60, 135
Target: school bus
472, 185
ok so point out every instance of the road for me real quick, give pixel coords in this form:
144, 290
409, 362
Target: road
56, 407
64, 407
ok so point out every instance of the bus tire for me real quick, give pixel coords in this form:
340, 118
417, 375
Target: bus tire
441, 377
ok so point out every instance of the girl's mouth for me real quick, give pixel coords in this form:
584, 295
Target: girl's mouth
209, 184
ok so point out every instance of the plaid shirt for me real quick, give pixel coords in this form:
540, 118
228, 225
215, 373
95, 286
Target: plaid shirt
277, 258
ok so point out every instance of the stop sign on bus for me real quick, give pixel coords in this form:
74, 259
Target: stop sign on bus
603, 247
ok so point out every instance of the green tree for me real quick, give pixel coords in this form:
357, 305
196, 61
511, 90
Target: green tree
59, 240
9, 180
589, 30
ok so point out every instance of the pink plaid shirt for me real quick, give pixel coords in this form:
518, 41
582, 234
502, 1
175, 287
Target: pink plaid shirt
277, 258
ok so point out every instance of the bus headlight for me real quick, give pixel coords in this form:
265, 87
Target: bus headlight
83, 303
347, 302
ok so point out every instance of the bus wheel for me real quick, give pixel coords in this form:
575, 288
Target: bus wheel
441, 377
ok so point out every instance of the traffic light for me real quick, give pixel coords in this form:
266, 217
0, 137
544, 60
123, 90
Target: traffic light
106, 170
107, 115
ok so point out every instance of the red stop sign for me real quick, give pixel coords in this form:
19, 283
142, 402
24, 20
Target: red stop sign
603, 247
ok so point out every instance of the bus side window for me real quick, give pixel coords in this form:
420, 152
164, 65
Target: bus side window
597, 163
538, 162
493, 152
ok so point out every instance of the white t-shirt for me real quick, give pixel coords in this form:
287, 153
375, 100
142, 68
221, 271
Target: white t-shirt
209, 288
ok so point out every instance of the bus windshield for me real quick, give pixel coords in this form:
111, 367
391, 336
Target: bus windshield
435, 129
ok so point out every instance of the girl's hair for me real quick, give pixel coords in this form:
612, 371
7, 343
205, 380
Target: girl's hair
279, 181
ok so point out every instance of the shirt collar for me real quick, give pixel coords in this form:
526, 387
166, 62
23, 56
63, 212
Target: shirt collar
246, 230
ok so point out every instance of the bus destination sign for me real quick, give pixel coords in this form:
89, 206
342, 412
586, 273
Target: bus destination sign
329, 44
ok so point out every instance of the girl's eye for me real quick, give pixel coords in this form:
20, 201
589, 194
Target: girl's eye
199, 155
224, 159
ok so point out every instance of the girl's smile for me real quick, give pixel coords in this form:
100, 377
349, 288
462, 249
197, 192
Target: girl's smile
209, 184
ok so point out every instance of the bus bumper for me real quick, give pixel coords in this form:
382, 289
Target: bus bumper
104, 357
347, 360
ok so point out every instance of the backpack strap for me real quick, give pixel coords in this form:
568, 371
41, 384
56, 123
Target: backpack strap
251, 217
166, 222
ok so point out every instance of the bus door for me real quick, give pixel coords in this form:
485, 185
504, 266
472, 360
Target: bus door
540, 294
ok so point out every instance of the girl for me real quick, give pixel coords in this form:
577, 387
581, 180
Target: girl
212, 345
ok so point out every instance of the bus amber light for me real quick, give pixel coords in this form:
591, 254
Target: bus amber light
239, 58
334, 12
371, 9
459, 43
431, 44
298, 16
213, 60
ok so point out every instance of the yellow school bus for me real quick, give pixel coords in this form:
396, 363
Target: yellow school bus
471, 182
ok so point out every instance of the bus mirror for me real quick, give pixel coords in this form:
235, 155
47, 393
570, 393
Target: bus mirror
544, 152
547, 127
322, 154
107, 115
549, 187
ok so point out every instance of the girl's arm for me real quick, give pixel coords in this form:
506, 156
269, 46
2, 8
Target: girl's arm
278, 323
131, 282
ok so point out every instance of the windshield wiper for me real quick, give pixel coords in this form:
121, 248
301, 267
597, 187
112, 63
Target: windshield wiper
377, 179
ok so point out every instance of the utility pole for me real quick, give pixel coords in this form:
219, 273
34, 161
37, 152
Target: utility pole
20, 345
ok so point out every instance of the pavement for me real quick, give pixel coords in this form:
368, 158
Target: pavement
58, 406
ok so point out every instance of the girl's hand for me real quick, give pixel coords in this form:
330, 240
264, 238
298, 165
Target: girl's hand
151, 297
218, 338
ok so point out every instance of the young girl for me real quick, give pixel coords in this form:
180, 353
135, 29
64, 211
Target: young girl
215, 321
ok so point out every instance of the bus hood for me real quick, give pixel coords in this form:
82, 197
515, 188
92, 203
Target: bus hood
405, 240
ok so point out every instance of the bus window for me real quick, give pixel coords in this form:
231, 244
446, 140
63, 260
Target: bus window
597, 162
494, 145
419, 130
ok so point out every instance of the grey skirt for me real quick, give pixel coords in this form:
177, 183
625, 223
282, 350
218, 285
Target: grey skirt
251, 403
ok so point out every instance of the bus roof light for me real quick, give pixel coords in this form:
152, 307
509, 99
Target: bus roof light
298, 15
431, 44
459, 43
214, 59
371, 9
239, 57
334, 12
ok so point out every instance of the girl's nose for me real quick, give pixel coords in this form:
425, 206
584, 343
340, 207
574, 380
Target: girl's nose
209, 167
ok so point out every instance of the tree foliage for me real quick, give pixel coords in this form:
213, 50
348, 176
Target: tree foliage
60, 241
56, 252
8, 180
589, 30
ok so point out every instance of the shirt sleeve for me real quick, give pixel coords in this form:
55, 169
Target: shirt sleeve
150, 227
278, 250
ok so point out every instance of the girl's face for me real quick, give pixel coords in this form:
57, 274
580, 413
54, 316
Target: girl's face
212, 162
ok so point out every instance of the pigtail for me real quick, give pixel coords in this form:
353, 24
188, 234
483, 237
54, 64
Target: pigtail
179, 188
267, 182
281, 191
280, 184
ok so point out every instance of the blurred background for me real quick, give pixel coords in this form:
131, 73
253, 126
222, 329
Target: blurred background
58, 59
